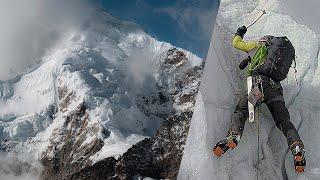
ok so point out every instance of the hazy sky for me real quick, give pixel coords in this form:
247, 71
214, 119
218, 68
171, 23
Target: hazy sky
30, 28
184, 23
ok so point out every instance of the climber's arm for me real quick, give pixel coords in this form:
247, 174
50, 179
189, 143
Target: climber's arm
243, 45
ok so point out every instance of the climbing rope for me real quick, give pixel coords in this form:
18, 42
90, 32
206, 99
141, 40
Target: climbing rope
259, 83
258, 137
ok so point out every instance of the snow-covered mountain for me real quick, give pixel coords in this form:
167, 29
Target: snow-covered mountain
216, 101
105, 87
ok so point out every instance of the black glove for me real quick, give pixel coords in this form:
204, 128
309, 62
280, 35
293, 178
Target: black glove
241, 31
244, 63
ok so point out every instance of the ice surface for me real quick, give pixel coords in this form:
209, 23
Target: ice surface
217, 100
305, 13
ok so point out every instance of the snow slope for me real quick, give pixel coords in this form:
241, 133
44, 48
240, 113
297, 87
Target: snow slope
106, 65
216, 101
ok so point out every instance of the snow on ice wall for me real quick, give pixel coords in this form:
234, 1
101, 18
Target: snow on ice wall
216, 101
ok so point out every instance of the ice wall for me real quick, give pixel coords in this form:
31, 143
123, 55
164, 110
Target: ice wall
217, 100
305, 13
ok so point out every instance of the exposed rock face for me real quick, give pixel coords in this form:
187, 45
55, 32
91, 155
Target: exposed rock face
158, 156
71, 156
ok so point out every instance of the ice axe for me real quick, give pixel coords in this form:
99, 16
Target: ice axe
253, 22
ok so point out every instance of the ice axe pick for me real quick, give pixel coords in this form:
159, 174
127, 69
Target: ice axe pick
253, 22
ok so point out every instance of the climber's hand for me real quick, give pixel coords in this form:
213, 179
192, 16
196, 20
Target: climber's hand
244, 63
241, 31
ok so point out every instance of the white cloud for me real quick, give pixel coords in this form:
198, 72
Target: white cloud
30, 28
140, 66
12, 169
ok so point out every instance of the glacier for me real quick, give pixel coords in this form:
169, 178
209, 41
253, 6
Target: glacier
222, 81
84, 92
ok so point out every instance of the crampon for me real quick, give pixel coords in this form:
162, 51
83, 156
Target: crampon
225, 144
299, 158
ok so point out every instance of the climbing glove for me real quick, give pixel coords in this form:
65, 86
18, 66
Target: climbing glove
241, 31
244, 63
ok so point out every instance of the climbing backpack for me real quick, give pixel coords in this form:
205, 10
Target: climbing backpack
279, 58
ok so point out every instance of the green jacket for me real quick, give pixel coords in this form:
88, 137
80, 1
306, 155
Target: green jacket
257, 50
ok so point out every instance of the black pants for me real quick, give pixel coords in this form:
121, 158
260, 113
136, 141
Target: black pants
273, 98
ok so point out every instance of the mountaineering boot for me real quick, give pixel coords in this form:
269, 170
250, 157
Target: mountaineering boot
298, 152
230, 142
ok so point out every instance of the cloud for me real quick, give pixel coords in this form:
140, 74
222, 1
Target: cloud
13, 169
30, 28
140, 66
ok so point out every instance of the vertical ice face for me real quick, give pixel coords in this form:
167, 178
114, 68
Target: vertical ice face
216, 102
305, 13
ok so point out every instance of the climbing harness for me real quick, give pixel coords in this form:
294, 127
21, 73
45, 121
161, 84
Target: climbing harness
256, 95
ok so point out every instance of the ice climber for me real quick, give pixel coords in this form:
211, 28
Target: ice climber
263, 55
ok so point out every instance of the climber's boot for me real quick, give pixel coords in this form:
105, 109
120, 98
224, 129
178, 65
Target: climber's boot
298, 152
230, 142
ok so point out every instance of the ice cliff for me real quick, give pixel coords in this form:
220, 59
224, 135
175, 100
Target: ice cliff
217, 99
